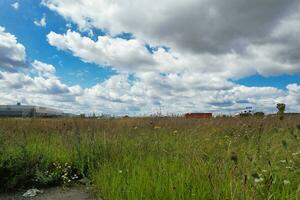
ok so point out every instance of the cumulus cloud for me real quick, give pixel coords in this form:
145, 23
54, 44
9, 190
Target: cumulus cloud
43, 69
12, 53
198, 25
42, 22
106, 51
121, 95
37, 84
42, 88
179, 80
245, 37
182, 57
168, 68
292, 98
15, 5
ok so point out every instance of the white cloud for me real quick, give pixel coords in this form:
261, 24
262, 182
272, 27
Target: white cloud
43, 69
106, 51
123, 95
42, 88
215, 34
131, 56
166, 78
210, 43
198, 25
12, 53
42, 22
15, 5
292, 99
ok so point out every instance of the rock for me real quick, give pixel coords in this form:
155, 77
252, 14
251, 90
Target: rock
84, 181
32, 193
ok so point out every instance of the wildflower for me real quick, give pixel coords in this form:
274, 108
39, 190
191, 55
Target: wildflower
264, 171
175, 131
296, 153
286, 182
120, 171
288, 167
258, 180
282, 161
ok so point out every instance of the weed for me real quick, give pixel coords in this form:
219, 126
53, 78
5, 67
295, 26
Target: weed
155, 158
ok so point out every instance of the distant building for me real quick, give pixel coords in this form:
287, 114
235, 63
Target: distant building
29, 111
198, 115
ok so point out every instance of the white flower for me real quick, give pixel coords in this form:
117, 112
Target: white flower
286, 182
258, 180
120, 171
282, 161
296, 153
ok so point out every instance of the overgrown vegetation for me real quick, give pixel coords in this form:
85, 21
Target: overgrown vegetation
281, 109
157, 158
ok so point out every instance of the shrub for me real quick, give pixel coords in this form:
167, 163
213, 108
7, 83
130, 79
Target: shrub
18, 172
259, 114
281, 109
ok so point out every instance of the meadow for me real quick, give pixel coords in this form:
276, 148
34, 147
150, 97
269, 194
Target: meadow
243, 158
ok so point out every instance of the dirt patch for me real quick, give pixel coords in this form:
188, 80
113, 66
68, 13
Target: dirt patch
73, 193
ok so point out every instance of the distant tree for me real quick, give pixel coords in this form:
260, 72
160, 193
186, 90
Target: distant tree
245, 114
259, 114
281, 109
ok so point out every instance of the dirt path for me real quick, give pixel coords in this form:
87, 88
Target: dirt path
74, 193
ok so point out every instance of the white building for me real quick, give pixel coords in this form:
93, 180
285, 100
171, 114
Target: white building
28, 111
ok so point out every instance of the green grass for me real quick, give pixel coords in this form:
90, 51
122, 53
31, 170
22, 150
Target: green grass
156, 158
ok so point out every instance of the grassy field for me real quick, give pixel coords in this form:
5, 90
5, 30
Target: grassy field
156, 158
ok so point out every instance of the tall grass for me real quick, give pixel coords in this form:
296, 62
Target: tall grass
156, 158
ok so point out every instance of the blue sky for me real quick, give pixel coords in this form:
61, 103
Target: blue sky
163, 59
70, 69
280, 81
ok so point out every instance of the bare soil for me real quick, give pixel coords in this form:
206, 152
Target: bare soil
73, 193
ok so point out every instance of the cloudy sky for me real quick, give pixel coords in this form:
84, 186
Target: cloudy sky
138, 57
